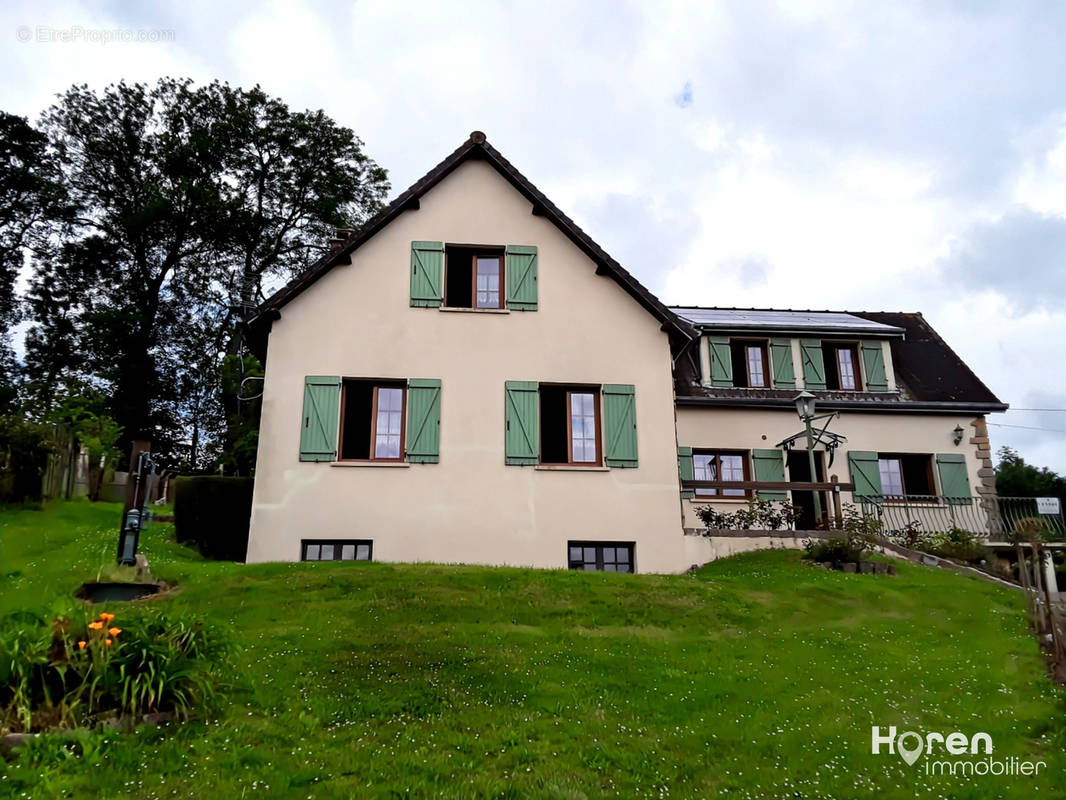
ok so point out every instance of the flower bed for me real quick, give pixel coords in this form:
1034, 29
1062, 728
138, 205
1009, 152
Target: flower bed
80, 671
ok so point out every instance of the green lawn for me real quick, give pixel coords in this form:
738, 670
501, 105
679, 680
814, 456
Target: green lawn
757, 677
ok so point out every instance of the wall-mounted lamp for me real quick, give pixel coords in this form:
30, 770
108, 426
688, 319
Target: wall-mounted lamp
957, 434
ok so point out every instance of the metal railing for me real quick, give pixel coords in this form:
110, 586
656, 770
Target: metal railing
993, 518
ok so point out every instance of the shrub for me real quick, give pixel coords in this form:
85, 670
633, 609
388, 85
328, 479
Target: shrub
857, 537
76, 672
956, 543
759, 513
24, 450
213, 513
840, 548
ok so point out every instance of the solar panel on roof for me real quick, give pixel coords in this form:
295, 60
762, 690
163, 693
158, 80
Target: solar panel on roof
810, 320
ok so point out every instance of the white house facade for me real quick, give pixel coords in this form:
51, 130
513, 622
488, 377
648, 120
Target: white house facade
469, 378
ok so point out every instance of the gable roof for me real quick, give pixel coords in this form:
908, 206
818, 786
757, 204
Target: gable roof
933, 376
477, 147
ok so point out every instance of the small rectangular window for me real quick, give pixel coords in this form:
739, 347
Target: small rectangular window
336, 549
473, 276
906, 475
751, 366
601, 556
570, 425
373, 418
841, 367
721, 466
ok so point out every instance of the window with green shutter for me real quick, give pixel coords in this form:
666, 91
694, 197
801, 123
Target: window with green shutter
813, 364
781, 357
873, 360
685, 469
866, 475
521, 274
620, 424
721, 361
423, 420
521, 413
319, 423
954, 479
427, 274
769, 466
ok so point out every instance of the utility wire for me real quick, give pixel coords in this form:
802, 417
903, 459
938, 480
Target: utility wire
1025, 427
1035, 409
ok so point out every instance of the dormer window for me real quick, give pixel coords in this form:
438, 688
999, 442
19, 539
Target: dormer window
473, 277
751, 366
842, 367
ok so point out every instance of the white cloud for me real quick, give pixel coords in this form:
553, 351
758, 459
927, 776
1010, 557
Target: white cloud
833, 154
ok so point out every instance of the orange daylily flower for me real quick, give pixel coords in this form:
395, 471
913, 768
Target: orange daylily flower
107, 642
96, 625
81, 645
107, 617
114, 631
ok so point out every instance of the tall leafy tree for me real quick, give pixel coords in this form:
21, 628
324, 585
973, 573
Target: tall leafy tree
188, 202
31, 196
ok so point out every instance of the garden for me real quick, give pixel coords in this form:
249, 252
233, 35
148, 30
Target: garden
755, 676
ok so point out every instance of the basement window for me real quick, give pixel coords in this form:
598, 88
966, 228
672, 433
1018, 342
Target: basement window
601, 556
372, 420
570, 425
841, 367
336, 549
906, 474
473, 277
751, 367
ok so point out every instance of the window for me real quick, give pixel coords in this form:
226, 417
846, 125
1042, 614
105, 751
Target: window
751, 367
336, 549
570, 425
841, 366
372, 421
906, 475
473, 277
721, 466
601, 556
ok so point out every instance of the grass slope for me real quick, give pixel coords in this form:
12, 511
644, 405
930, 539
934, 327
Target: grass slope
757, 677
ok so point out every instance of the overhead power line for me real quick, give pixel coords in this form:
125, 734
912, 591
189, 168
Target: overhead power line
1026, 427
1035, 409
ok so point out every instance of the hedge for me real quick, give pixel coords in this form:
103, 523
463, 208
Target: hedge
213, 513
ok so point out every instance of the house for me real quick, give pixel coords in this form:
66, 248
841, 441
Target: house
470, 378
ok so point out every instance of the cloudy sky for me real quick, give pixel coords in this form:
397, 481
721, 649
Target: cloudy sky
878, 156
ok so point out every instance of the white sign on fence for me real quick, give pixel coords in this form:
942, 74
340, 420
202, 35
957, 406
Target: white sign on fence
1047, 505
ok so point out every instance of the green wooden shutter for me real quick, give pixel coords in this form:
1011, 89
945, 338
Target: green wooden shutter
521, 275
427, 274
781, 356
521, 412
769, 466
620, 424
954, 481
721, 361
866, 475
873, 358
685, 468
321, 418
423, 420
813, 365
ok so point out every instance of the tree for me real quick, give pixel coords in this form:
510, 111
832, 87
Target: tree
188, 200
141, 168
30, 196
1016, 478
97, 435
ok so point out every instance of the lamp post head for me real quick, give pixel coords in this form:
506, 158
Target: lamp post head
805, 402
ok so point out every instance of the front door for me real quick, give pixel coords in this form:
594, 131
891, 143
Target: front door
799, 469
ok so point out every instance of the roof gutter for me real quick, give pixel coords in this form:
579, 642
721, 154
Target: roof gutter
924, 406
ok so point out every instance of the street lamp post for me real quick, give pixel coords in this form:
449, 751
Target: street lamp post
805, 408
